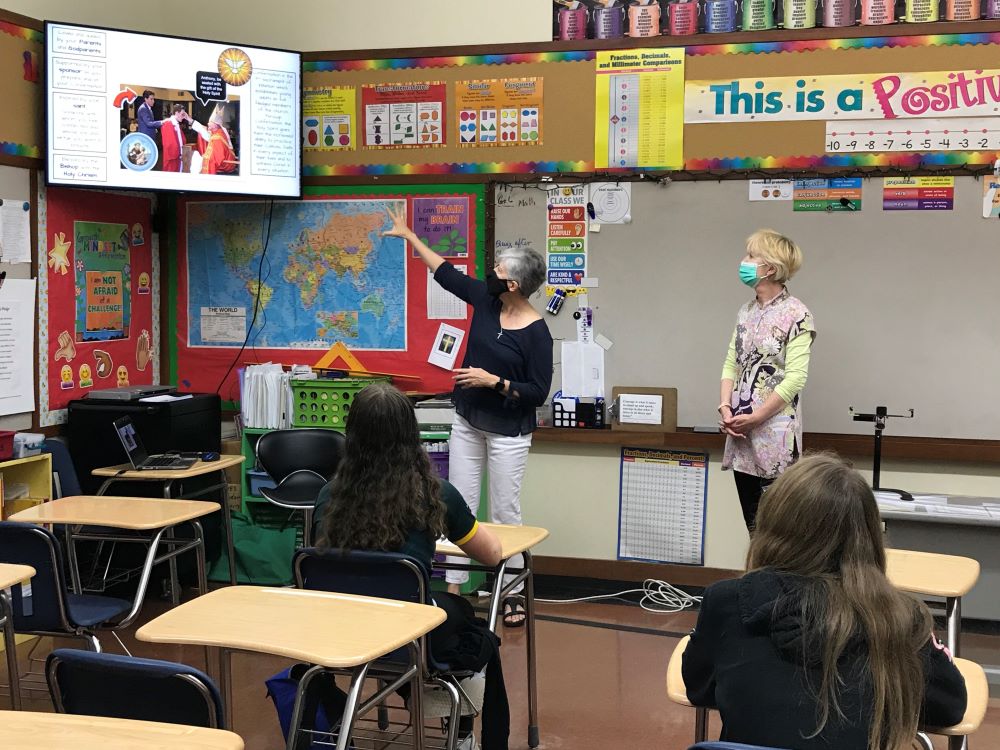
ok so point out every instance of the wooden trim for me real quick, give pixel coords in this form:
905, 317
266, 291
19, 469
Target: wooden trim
414, 179
856, 446
774, 35
22, 162
24, 21
631, 570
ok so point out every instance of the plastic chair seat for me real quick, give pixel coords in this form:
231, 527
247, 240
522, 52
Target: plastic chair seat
293, 497
87, 611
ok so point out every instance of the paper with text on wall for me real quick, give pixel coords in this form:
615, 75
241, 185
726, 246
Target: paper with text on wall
17, 335
15, 231
442, 304
640, 409
582, 370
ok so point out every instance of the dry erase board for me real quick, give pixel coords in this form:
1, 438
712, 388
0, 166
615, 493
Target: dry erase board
905, 302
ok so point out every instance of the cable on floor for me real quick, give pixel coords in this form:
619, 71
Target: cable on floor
658, 597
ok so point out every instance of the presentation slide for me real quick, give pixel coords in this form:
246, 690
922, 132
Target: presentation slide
149, 112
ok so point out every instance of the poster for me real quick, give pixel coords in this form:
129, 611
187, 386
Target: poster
17, 326
612, 202
98, 311
328, 118
401, 115
566, 239
827, 194
640, 109
770, 190
991, 197
918, 194
499, 112
913, 135
857, 96
443, 223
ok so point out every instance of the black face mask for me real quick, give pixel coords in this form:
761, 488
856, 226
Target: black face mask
495, 285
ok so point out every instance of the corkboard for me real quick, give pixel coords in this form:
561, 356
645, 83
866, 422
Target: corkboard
802, 138
568, 115
21, 63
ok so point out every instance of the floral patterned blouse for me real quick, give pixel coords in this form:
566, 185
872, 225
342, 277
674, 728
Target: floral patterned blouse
761, 353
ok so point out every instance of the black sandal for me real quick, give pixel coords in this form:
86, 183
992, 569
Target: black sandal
514, 614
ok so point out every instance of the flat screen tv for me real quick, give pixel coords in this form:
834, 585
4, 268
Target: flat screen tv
150, 112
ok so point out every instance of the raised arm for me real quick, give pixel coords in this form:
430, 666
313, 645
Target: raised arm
399, 229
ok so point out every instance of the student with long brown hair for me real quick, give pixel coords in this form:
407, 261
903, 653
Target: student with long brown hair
814, 647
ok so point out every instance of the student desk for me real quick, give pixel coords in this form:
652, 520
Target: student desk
135, 514
28, 730
975, 685
337, 631
11, 575
929, 574
123, 473
514, 540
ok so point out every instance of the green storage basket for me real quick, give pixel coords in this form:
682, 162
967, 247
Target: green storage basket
326, 403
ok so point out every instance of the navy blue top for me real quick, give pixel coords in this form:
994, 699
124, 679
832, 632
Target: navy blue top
522, 356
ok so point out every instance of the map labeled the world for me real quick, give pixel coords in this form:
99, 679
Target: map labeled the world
327, 276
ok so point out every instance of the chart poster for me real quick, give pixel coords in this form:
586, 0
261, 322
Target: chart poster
991, 197
443, 223
499, 112
97, 298
329, 117
640, 109
827, 194
566, 239
661, 506
404, 115
918, 194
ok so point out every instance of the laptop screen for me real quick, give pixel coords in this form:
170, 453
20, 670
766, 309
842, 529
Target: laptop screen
133, 446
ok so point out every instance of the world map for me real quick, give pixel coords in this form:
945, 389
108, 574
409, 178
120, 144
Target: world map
327, 276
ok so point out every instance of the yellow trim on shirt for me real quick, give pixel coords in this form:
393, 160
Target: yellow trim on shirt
467, 537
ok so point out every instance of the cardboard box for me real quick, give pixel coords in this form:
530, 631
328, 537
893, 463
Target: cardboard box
233, 448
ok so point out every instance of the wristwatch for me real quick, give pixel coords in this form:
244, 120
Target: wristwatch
499, 386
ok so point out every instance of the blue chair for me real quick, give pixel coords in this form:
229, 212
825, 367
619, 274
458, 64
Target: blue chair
729, 746
64, 479
301, 461
124, 687
51, 609
388, 575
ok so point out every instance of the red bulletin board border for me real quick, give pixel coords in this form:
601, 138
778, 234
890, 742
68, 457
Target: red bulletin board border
200, 369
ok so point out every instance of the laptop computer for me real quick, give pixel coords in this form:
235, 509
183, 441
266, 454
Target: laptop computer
137, 455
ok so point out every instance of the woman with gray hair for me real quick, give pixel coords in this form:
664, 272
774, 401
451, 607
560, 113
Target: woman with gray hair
506, 373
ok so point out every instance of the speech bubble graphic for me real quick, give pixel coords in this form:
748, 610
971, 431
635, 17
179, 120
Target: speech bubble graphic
209, 87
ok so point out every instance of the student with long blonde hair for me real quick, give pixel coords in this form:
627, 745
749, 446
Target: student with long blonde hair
814, 647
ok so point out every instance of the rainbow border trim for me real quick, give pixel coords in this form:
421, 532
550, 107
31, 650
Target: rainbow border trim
20, 149
399, 63
876, 42
895, 160
21, 32
505, 167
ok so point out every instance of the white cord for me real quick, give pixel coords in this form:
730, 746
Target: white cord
657, 596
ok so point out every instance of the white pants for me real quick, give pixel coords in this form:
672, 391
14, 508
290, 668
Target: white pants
504, 459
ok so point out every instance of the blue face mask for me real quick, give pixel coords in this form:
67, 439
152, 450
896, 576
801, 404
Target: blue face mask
748, 273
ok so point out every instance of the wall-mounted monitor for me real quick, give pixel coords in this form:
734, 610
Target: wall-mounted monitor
149, 112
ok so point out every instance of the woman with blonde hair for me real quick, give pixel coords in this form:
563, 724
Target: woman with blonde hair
814, 649
765, 370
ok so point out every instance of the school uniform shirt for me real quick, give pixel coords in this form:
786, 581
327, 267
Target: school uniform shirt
522, 356
768, 353
419, 544
747, 657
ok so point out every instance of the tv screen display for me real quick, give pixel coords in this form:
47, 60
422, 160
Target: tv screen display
150, 112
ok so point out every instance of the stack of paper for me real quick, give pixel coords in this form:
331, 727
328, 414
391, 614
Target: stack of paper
266, 397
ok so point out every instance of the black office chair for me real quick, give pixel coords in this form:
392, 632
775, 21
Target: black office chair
124, 687
301, 462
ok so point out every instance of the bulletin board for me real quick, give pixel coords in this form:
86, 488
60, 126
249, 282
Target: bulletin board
98, 274
904, 302
21, 132
327, 276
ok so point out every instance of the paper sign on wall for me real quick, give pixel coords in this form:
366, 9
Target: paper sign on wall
640, 409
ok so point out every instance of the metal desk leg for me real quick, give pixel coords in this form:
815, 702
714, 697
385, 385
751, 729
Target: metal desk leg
416, 696
700, 724
14, 676
496, 598
175, 584
227, 522
529, 632
74, 566
199, 552
953, 617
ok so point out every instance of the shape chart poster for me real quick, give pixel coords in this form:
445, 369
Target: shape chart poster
329, 118
97, 299
499, 112
401, 115
640, 109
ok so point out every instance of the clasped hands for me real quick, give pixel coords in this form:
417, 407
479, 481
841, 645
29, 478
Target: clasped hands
738, 426
473, 377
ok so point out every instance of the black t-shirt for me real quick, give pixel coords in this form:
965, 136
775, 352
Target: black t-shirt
419, 544
523, 356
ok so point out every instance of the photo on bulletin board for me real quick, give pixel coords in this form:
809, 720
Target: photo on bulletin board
283, 281
98, 272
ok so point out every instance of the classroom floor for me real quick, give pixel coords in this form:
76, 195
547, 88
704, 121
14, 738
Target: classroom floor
601, 674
